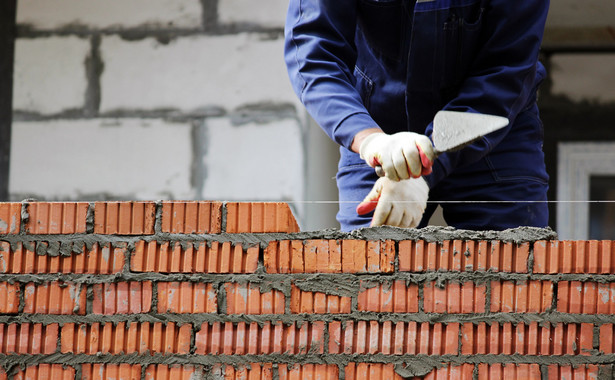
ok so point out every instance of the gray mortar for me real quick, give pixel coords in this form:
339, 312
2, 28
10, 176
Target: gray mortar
333, 286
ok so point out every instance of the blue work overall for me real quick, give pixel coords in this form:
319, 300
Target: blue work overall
357, 64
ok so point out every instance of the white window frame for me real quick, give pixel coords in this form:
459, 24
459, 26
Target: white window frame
577, 162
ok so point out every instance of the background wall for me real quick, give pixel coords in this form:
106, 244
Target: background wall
158, 99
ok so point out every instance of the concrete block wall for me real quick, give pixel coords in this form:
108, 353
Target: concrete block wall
159, 99
215, 290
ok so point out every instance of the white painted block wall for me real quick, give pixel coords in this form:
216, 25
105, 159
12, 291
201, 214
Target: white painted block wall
161, 99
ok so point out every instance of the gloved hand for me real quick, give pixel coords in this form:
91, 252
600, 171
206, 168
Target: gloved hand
402, 155
399, 204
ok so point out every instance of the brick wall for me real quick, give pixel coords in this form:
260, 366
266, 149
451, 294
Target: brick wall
211, 290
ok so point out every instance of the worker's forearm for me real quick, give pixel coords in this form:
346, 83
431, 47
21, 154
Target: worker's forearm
359, 137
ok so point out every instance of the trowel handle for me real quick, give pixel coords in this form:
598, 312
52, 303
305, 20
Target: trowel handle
380, 170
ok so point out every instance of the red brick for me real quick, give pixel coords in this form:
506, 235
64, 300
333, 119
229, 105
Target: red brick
117, 339
186, 297
354, 258
252, 371
577, 297
124, 218
258, 217
405, 338
27, 338
295, 372
606, 338
596, 257
97, 260
191, 217
56, 217
366, 371
453, 297
110, 371
317, 303
248, 299
45, 372
556, 372
521, 296
132, 297
396, 297
9, 298
54, 298
508, 371
10, 218
165, 257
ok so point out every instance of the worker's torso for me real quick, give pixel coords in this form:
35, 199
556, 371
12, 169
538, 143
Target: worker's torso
413, 56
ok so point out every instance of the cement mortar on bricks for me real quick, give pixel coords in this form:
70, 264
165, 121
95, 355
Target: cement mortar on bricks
128, 158
50, 74
54, 14
193, 72
255, 161
265, 13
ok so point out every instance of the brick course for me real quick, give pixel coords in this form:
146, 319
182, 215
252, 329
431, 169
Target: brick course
196, 290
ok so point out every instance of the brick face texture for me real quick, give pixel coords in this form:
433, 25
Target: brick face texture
214, 290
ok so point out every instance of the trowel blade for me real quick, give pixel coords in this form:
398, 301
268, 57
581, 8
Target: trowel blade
453, 130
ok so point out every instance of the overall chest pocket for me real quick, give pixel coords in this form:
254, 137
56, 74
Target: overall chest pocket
384, 25
460, 40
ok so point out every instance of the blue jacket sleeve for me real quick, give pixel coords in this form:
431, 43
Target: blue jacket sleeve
503, 77
320, 56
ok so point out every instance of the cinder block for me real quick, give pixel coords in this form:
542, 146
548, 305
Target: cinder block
131, 297
268, 13
100, 371
50, 75
191, 217
257, 217
10, 218
246, 298
55, 298
191, 73
57, 217
214, 257
268, 157
115, 14
128, 171
186, 297
124, 218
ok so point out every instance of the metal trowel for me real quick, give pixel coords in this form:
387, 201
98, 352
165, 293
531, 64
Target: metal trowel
453, 130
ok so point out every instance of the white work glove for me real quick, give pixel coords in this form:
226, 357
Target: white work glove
402, 155
398, 204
